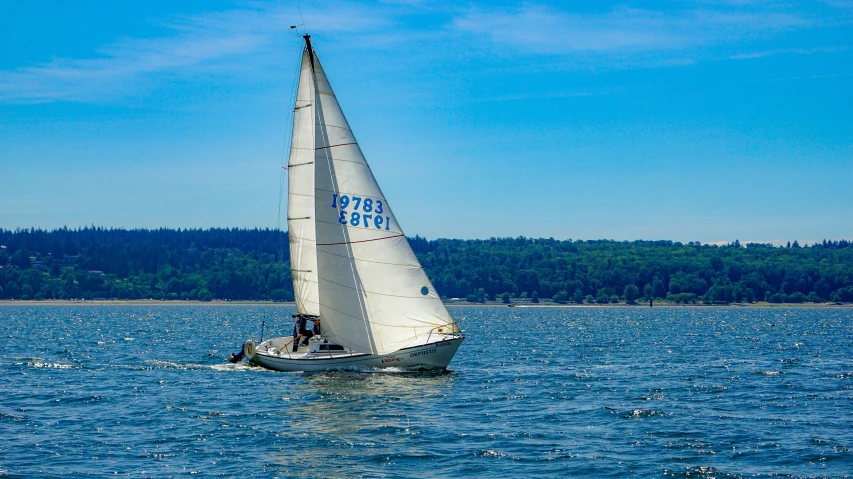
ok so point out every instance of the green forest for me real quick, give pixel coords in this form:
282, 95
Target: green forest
253, 264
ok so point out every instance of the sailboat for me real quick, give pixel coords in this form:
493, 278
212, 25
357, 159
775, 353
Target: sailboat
352, 267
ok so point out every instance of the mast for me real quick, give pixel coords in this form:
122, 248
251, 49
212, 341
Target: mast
310, 50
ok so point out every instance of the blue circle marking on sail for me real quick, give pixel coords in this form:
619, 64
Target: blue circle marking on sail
424, 291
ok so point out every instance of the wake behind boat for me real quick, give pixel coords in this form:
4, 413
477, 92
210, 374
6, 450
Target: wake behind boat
352, 267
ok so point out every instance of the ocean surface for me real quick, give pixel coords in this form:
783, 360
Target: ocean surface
147, 391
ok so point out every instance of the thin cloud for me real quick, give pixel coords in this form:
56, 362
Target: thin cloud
548, 96
796, 51
208, 42
233, 42
809, 77
547, 31
842, 4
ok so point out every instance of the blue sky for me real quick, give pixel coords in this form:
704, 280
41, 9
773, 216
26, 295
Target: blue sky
701, 120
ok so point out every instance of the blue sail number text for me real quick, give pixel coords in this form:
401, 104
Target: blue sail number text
369, 216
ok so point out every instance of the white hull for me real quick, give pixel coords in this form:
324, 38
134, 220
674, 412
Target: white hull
434, 355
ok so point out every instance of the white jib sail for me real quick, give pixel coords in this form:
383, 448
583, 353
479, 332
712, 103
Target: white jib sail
300, 196
374, 295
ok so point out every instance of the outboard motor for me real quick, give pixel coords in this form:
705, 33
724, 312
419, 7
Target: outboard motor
236, 357
247, 351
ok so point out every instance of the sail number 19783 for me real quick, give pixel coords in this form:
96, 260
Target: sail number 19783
366, 212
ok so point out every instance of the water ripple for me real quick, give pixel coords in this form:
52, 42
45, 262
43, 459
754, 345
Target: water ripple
534, 392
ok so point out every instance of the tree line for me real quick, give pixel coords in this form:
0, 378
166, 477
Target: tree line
253, 264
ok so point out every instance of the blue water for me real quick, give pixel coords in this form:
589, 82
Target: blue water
533, 392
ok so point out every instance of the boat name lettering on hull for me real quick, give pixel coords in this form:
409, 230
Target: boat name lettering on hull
421, 353
391, 359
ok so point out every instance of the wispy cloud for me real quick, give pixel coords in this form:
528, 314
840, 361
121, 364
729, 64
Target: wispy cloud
547, 31
587, 92
235, 41
843, 4
798, 78
795, 51
219, 42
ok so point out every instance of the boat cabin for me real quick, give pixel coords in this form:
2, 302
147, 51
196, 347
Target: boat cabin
325, 346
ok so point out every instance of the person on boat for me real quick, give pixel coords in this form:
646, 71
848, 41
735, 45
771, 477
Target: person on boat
300, 330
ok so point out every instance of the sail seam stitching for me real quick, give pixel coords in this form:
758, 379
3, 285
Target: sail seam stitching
348, 193
333, 146
335, 126
372, 292
361, 241
334, 224
345, 314
349, 161
375, 262
301, 194
303, 239
382, 324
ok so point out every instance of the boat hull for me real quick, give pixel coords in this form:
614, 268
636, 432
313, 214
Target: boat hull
436, 355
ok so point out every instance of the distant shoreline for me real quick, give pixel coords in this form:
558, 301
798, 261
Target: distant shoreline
178, 302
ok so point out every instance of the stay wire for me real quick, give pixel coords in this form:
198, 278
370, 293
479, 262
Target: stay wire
288, 139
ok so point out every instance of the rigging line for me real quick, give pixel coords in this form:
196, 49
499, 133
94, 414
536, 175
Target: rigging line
288, 138
361, 241
333, 146
423, 324
361, 301
303, 19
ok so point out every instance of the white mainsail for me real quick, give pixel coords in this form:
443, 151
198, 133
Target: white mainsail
371, 292
300, 196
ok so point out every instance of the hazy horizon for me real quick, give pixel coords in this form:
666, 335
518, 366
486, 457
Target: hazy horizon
774, 242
